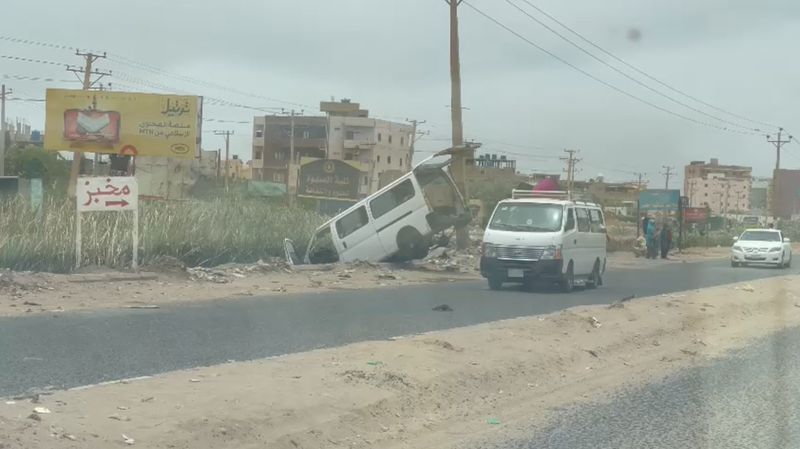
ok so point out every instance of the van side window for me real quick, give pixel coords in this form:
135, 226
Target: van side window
570, 225
596, 218
352, 222
582, 219
392, 198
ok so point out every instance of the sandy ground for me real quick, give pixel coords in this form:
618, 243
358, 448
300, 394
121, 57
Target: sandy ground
438, 390
28, 293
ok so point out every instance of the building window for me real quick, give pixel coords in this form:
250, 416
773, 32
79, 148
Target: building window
366, 180
306, 134
280, 155
378, 157
348, 156
278, 177
257, 154
401, 161
350, 135
379, 137
259, 130
389, 158
402, 141
390, 138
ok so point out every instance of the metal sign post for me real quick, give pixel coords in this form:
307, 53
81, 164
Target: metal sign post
107, 194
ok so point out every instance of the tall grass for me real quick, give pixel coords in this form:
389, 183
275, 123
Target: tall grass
196, 232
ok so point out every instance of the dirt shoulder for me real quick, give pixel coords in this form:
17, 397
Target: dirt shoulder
156, 286
442, 389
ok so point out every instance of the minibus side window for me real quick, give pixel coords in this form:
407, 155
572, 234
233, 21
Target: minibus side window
352, 222
597, 220
392, 198
582, 219
570, 225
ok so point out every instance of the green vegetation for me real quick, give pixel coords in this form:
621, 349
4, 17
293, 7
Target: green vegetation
195, 232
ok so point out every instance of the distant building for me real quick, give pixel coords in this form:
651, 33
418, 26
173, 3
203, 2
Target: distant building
786, 193
490, 167
759, 196
724, 189
381, 150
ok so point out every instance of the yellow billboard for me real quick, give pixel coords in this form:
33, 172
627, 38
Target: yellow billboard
123, 123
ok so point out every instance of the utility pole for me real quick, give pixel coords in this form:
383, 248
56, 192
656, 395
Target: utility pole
413, 142
638, 211
3, 94
571, 161
777, 143
460, 155
85, 76
668, 171
227, 135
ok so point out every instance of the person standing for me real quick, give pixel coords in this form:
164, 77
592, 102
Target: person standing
666, 239
650, 236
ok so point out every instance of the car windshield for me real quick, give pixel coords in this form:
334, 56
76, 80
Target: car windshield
527, 217
760, 236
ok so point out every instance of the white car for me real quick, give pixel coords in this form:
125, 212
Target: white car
761, 246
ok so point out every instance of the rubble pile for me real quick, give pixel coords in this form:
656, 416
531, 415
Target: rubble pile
226, 273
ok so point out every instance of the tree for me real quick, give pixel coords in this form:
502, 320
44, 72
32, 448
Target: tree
31, 161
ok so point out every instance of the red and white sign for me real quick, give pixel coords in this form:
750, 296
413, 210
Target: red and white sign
107, 194
695, 215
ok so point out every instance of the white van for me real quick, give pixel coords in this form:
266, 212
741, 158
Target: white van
396, 222
544, 235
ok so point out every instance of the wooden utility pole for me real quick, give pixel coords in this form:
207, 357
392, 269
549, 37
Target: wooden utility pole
85, 76
412, 144
3, 95
571, 161
777, 143
460, 154
227, 135
668, 171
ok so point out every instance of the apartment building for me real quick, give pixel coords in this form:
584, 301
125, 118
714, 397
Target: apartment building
724, 189
381, 150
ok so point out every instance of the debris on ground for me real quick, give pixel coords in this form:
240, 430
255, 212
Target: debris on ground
592, 352
41, 410
226, 273
443, 308
594, 322
748, 288
128, 440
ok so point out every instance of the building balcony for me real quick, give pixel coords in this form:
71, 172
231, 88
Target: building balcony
359, 144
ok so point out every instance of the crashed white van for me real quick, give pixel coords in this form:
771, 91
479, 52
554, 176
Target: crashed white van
394, 223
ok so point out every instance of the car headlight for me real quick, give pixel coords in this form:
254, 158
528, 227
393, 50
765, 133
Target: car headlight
737, 248
489, 250
552, 252
775, 249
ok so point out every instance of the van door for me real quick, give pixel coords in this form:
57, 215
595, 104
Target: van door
357, 239
569, 239
400, 212
598, 237
583, 264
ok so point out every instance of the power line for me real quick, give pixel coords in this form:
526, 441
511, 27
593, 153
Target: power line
38, 61
35, 78
626, 75
642, 72
38, 43
605, 83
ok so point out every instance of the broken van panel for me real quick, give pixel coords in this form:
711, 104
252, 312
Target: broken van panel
395, 223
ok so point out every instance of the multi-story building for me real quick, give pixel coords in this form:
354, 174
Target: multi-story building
724, 189
380, 149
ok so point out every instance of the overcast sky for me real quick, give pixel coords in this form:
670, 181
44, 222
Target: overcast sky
392, 57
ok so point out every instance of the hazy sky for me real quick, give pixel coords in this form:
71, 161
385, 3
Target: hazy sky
392, 57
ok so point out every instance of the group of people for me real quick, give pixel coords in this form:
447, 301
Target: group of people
657, 238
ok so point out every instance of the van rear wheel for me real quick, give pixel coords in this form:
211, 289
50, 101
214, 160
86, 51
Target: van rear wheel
595, 280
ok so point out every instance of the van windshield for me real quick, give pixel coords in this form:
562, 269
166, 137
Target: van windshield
527, 217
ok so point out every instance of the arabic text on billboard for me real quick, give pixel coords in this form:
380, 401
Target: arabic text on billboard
122, 123
659, 200
326, 178
695, 214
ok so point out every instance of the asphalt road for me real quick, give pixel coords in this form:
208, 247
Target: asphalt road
748, 400
71, 349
